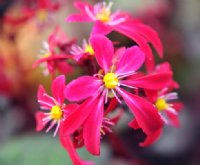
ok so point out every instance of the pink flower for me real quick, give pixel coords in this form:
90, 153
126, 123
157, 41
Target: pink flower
56, 111
55, 108
110, 83
55, 53
163, 101
85, 51
106, 22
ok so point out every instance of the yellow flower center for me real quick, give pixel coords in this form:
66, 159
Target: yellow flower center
56, 113
89, 49
110, 80
42, 15
161, 104
104, 15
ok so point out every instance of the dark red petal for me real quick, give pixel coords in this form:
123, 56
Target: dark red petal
104, 51
151, 81
145, 113
39, 123
92, 126
82, 88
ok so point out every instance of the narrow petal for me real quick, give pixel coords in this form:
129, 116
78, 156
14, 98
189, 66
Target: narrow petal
151, 81
78, 116
133, 124
82, 87
104, 51
151, 36
91, 129
68, 145
39, 121
132, 60
42, 96
78, 18
151, 138
173, 119
146, 115
57, 87
131, 33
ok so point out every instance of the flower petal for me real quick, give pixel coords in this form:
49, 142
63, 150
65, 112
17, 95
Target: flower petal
57, 87
104, 51
146, 115
131, 33
68, 145
82, 87
151, 81
131, 61
91, 129
76, 118
39, 121
101, 28
151, 138
43, 98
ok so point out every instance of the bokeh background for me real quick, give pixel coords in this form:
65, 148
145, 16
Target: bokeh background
178, 24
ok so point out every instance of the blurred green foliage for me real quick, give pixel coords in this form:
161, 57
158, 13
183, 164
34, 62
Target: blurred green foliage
40, 150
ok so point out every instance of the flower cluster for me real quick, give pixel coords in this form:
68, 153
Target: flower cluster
111, 76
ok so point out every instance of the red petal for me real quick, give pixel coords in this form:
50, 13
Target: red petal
78, 18
42, 96
101, 28
133, 124
151, 138
78, 116
151, 81
91, 129
132, 60
130, 32
151, 36
173, 118
68, 145
57, 87
146, 115
82, 87
39, 123
104, 51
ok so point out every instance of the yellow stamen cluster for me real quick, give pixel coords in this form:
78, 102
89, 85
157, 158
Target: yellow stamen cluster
42, 15
104, 15
110, 80
56, 113
161, 104
89, 49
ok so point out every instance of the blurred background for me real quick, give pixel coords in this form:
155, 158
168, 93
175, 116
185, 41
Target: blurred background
21, 38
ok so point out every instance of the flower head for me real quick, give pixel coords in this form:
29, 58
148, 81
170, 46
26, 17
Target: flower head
106, 22
116, 75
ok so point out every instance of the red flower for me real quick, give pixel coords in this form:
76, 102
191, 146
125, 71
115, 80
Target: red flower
106, 22
163, 101
55, 53
99, 88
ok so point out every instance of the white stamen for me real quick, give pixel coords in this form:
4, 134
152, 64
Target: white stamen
116, 96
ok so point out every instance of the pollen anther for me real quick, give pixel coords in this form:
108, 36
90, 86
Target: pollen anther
110, 80
56, 113
161, 104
